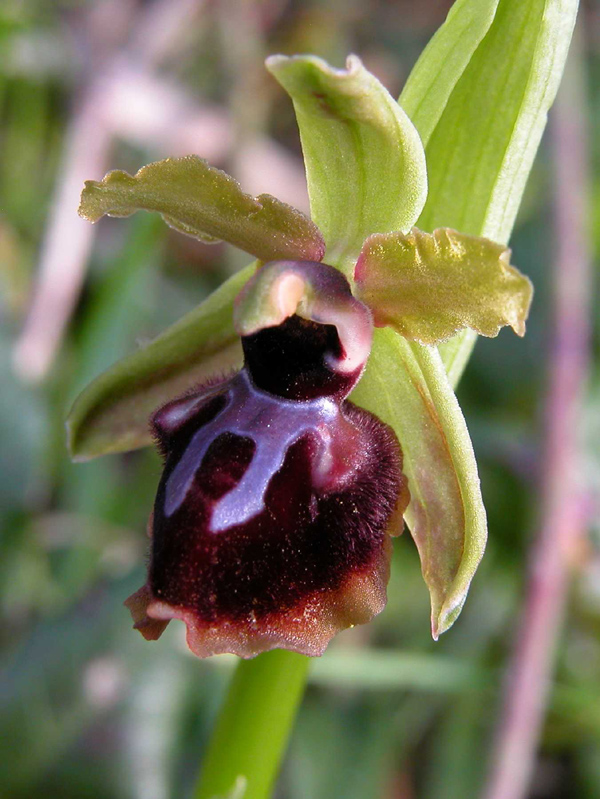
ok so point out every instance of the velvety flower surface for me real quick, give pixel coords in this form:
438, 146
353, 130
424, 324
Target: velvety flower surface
271, 521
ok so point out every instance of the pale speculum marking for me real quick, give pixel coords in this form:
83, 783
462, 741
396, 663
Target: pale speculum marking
266, 419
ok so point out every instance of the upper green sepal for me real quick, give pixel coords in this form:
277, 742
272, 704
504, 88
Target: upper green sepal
430, 286
202, 201
365, 163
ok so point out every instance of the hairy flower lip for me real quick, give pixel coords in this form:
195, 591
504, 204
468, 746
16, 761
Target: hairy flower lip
307, 631
303, 609
272, 518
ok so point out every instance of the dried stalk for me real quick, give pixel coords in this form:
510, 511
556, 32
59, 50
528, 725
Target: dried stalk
561, 522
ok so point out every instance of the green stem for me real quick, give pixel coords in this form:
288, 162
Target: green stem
253, 728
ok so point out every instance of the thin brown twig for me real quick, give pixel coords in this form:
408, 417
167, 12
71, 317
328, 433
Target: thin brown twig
561, 523
66, 244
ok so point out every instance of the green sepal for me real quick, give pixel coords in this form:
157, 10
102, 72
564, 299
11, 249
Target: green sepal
206, 203
430, 286
364, 159
112, 413
405, 384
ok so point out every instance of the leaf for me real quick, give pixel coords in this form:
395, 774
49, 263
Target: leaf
443, 61
481, 148
364, 160
206, 203
111, 414
405, 385
429, 286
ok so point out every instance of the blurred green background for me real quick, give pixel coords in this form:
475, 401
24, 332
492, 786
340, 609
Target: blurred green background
88, 708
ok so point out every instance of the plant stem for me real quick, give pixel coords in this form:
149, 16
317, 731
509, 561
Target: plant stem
253, 728
561, 516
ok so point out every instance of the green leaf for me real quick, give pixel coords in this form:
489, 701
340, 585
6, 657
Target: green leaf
429, 286
405, 385
204, 202
481, 150
111, 414
481, 147
364, 160
443, 61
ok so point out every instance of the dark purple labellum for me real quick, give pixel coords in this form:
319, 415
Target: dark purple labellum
271, 521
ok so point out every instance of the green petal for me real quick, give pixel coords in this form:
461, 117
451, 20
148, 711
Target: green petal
481, 144
364, 160
204, 202
429, 286
111, 414
405, 385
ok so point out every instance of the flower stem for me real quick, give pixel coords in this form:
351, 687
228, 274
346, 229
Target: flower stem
253, 727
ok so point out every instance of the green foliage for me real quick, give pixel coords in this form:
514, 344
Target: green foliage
494, 118
443, 62
496, 106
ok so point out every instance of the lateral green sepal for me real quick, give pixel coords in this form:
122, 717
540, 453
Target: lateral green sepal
111, 414
405, 384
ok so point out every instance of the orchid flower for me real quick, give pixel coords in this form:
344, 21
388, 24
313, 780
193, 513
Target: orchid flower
303, 409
